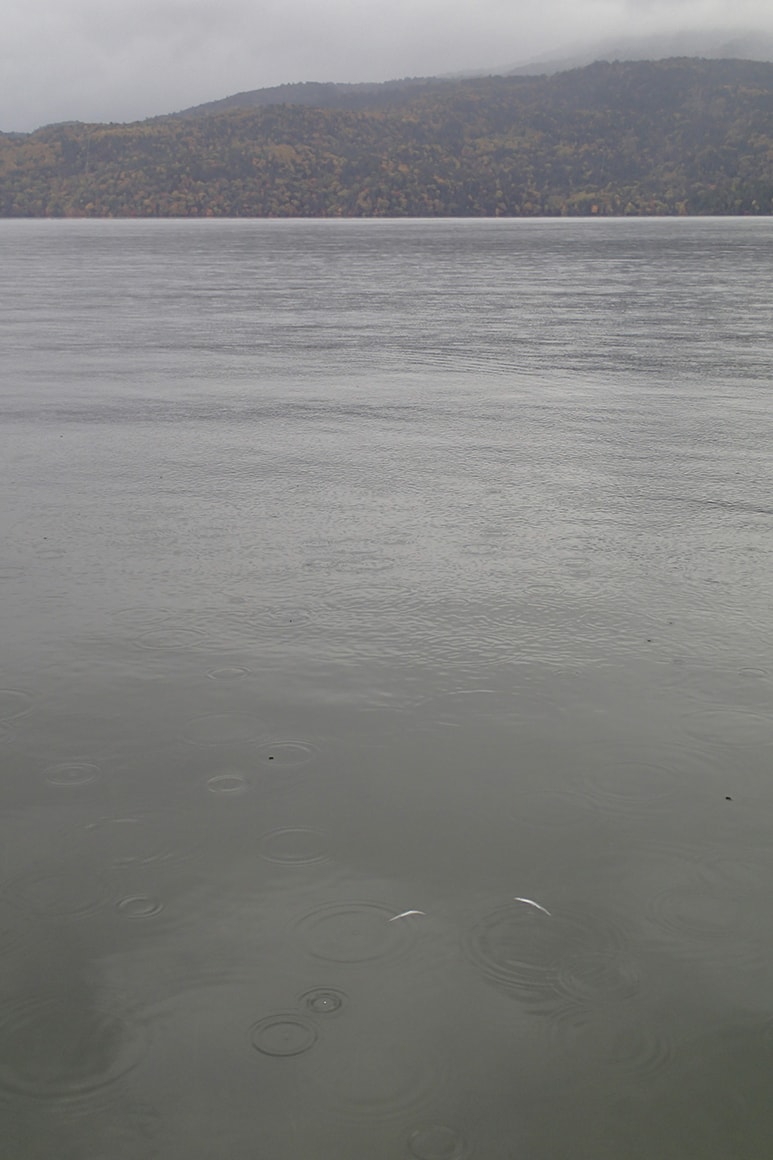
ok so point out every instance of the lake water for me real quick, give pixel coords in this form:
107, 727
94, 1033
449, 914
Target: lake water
385, 690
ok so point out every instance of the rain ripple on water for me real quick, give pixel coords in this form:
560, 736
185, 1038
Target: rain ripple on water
14, 703
51, 1049
617, 1037
323, 1001
376, 1078
436, 1142
537, 957
72, 773
294, 846
283, 1034
229, 783
353, 932
222, 729
129, 840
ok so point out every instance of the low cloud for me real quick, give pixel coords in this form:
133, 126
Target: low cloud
85, 60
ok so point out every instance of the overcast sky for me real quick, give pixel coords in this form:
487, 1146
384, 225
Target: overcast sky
101, 60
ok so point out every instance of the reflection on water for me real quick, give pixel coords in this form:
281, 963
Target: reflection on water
385, 690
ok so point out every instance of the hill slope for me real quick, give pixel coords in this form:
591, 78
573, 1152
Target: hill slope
675, 136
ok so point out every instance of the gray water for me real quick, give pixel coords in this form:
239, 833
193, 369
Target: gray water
386, 670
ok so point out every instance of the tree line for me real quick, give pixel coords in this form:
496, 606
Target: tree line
684, 136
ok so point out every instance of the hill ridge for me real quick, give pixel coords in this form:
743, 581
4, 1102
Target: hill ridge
680, 136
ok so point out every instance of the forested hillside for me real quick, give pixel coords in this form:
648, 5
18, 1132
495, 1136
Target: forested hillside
680, 136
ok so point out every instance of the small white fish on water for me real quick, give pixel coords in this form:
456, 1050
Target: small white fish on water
406, 914
536, 905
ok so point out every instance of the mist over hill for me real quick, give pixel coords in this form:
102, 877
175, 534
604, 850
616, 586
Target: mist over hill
709, 44
679, 136
712, 44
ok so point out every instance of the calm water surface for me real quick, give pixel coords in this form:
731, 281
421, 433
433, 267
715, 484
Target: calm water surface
385, 690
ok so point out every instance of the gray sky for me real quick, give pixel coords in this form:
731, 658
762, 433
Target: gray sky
123, 60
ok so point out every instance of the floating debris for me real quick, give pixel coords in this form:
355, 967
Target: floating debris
536, 905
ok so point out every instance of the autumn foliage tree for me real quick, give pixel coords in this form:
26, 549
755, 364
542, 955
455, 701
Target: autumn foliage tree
671, 137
